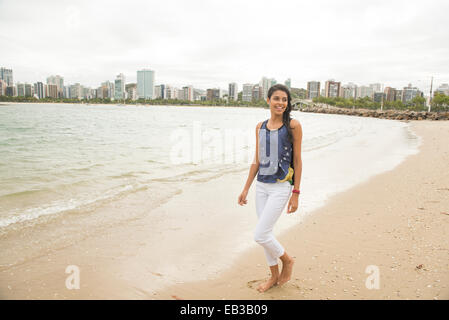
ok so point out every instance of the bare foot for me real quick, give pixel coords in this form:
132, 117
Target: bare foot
287, 269
267, 284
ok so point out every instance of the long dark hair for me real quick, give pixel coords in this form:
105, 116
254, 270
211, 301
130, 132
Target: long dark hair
286, 115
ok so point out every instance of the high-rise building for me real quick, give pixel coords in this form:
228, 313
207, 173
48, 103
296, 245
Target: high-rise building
398, 95
168, 92
20, 89
88, 93
59, 82
188, 93
390, 94
3, 87
65, 91
378, 97
266, 84
75, 91
332, 89
233, 91
131, 91
409, 93
313, 89
247, 93
11, 91
162, 91
288, 83
348, 91
364, 91
119, 87
108, 90
52, 91
443, 89
39, 90
377, 87
6, 75
28, 90
257, 93
157, 92
171, 92
213, 94
181, 95
145, 84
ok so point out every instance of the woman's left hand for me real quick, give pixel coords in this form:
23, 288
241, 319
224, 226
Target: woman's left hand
293, 203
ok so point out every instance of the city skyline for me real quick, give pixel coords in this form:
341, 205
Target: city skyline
145, 88
207, 45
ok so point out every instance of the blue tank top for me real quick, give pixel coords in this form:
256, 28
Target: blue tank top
275, 154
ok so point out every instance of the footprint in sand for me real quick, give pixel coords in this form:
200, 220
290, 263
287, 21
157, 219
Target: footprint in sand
254, 283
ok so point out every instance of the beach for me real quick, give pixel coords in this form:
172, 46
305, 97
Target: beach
396, 222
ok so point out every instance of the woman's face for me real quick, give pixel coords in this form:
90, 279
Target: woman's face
278, 102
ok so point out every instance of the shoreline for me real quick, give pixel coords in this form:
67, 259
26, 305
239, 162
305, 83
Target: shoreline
129, 105
323, 268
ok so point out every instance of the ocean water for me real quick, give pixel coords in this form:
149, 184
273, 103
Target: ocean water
61, 159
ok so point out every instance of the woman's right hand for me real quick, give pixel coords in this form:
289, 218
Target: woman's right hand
242, 198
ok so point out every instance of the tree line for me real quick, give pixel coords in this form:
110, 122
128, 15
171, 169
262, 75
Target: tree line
217, 102
440, 102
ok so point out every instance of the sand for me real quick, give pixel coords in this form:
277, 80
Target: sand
397, 223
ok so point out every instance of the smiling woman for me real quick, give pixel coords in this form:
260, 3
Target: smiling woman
276, 171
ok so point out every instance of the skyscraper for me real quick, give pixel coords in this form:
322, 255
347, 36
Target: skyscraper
120, 87
256, 93
313, 89
3, 87
131, 91
6, 75
332, 89
75, 91
288, 83
59, 82
409, 93
163, 91
233, 91
390, 93
145, 84
20, 89
188, 93
247, 93
39, 90
443, 89
348, 91
377, 87
364, 91
213, 94
265, 85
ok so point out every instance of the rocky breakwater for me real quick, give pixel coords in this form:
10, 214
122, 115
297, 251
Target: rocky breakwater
385, 114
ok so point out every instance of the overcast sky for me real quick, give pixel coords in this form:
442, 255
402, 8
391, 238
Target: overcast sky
211, 43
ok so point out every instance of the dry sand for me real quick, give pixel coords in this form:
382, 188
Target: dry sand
397, 221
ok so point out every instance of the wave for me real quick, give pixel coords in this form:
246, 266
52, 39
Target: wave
59, 207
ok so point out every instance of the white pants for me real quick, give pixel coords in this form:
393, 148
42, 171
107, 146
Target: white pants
271, 199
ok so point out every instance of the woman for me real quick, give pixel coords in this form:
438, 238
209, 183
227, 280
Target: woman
278, 165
